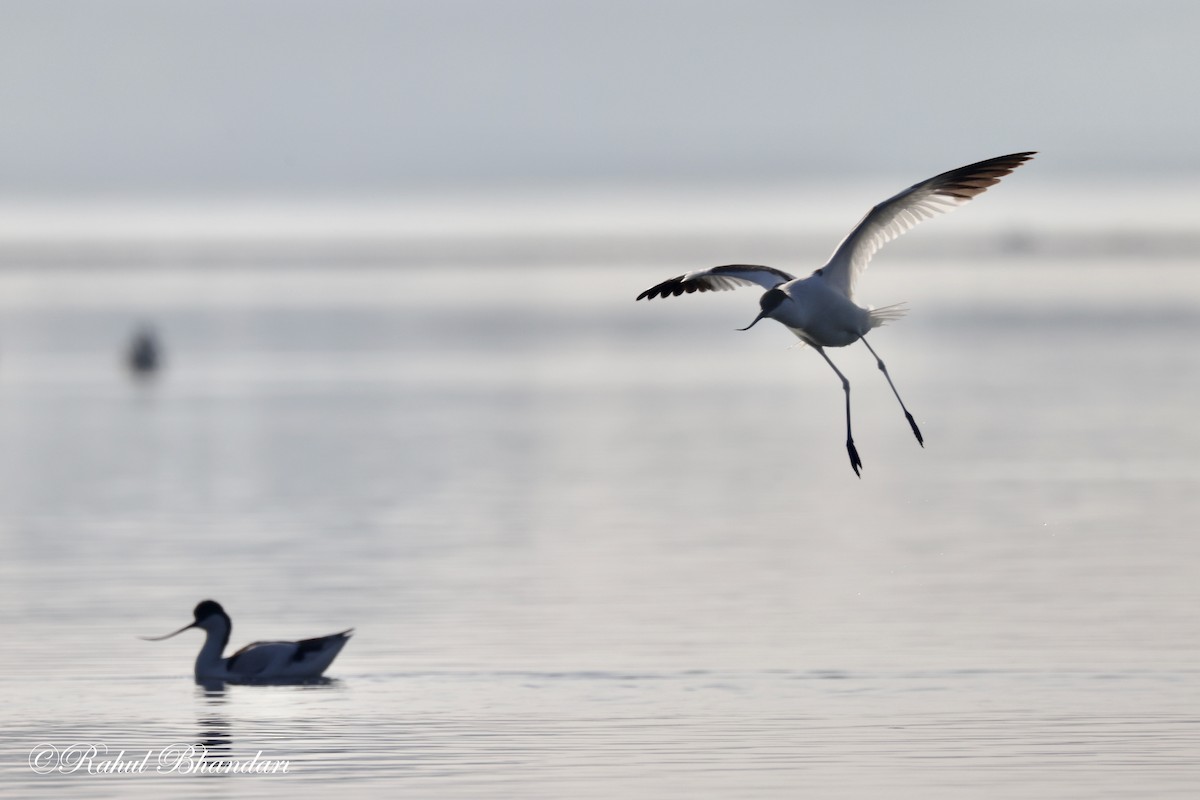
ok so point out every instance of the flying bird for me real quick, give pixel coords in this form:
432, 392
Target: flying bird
820, 309
260, 661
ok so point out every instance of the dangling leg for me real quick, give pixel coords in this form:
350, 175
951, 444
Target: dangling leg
855, 461
879, 363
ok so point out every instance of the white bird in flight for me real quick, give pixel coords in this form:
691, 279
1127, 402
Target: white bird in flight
820, 309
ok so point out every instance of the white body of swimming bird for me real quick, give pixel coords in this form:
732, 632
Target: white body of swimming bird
260, 661
820, 308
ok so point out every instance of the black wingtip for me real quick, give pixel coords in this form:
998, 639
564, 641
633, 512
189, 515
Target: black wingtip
1016, 159
673, 287
966, 183
662, 289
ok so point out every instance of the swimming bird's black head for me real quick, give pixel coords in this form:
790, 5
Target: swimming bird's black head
208, 615
768, 303
206, 608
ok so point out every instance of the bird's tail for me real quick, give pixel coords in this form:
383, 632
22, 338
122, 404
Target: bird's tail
891, 313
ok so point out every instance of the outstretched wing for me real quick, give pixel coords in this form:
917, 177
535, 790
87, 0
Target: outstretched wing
718, 279
903, 212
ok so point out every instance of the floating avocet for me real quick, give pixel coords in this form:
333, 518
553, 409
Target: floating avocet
820, 309
260, 661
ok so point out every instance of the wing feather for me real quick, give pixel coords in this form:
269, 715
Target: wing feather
717, 279
906, 210
257, 657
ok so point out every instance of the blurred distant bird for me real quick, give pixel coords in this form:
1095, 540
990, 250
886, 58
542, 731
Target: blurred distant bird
260, 661
820, 309
144, 356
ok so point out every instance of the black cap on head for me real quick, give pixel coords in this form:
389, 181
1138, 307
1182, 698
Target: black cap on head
771, 299
768, 303
206, 608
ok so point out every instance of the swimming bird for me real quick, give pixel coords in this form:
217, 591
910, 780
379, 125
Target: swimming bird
820, 308
260, 661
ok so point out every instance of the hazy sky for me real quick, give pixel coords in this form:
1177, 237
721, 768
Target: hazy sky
345, 96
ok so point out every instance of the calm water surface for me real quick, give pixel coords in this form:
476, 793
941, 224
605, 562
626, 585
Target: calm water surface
594, 548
